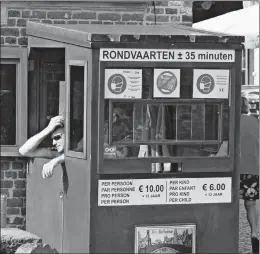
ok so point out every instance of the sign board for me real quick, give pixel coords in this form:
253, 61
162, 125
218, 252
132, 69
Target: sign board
164, 191
109, 151
210, 83
165, 55
173, 238
123, 83
166, 83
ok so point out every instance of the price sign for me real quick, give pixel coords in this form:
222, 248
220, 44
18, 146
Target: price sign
216, 189
164, 191
213, 187
151, 188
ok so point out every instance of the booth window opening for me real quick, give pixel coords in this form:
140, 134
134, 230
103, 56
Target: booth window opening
164, 128
182, 118
77, 98
142, 120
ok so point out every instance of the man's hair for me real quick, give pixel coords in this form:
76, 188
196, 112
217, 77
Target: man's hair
57, 130
244, 105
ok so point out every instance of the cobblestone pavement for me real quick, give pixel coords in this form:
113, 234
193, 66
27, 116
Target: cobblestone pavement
244, 230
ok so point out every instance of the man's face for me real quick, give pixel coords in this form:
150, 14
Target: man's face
58, 139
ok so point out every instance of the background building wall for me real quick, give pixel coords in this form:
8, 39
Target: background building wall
14, 16
13, 185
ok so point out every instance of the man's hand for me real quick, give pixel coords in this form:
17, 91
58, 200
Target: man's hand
57, 121
48, 168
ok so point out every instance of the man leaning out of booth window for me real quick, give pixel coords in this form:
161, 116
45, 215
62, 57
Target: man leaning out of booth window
31, 147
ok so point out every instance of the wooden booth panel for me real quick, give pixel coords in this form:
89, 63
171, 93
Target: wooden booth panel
77, 197
44, 206
115, 226
77, 207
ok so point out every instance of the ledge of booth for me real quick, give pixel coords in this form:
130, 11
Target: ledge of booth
13, 238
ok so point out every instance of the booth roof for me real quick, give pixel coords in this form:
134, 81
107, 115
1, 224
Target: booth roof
81, 33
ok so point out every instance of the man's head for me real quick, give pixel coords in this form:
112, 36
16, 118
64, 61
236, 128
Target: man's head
58, 139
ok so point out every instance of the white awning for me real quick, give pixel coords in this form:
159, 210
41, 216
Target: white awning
244, 22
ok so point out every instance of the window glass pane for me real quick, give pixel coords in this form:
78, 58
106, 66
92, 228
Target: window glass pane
148, 125
225, 126
46, 71
8, 103
153, 122
142, 128
52, 73
76, 108
244, 78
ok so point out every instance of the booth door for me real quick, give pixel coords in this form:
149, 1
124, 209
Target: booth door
77, 195
44, 214
44, 206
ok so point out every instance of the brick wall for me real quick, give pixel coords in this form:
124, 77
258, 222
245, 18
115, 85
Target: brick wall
13, 32
13, 185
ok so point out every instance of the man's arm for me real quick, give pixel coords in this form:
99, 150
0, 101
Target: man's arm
30, 148
48, 168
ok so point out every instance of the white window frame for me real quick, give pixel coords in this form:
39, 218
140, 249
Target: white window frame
68, 152
245, 66
19, 57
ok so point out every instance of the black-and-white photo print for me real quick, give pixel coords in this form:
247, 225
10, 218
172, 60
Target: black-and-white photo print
129, 126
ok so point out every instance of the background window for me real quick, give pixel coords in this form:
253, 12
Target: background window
13, 99
8, 75
46, 71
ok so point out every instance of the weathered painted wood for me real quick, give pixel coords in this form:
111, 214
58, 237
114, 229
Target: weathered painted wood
44, 206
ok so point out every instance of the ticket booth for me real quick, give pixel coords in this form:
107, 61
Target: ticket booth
152, 141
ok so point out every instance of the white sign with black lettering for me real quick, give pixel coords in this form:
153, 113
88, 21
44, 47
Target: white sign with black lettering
165, 55
166, 83
123, 83
208, 83
163, 191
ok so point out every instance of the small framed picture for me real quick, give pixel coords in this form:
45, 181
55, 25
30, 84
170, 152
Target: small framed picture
175, 238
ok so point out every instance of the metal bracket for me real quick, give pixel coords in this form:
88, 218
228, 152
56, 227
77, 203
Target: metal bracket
192, 38
114, 37
224, 40
136, 36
